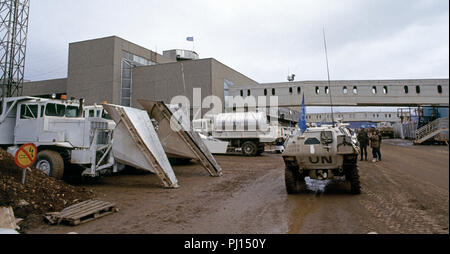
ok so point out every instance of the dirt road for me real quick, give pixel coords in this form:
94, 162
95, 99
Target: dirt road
407, 192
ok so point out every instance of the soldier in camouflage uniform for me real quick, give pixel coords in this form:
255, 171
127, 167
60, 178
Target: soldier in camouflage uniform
363, 140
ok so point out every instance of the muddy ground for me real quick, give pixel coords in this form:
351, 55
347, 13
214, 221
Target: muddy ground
407, 192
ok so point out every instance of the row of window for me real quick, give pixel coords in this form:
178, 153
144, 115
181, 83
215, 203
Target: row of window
374, 115
344, 90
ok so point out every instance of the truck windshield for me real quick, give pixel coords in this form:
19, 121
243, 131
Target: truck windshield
52, 109
106, 115
71, 111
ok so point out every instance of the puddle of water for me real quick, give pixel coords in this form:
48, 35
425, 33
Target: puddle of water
302, 205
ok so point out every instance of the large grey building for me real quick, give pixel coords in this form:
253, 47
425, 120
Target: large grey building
117, 71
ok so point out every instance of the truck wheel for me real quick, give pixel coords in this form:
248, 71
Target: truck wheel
51, 163
249, 148
353, 177
295, 183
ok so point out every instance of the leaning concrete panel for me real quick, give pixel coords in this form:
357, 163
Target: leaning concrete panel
136, 143
183, 143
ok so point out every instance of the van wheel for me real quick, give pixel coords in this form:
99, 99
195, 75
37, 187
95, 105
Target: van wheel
51, 163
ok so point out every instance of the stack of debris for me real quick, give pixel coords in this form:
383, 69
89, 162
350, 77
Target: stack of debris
39, 194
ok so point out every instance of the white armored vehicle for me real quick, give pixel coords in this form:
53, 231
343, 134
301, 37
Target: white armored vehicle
321, 153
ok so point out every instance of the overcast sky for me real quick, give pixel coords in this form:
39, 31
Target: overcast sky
366, 39
264, 40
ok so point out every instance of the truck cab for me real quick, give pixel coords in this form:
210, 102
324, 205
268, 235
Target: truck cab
63, 136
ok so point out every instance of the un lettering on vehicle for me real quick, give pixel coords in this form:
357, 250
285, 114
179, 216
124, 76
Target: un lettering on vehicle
321, 159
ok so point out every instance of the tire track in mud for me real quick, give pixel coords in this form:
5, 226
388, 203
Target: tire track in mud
401, 202
397, 197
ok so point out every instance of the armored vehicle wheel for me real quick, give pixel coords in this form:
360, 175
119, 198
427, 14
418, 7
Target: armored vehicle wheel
295, 182
51, 163
249, 148
352, 176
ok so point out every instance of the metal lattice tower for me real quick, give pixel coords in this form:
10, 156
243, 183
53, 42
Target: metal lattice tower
13, 36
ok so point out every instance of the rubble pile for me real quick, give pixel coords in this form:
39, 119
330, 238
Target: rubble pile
39, 194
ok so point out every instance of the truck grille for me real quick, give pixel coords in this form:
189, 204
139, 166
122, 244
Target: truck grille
99, 125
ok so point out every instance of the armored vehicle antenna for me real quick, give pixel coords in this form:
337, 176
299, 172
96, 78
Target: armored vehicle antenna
328, 72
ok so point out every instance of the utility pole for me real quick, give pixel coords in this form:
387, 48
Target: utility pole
13, 37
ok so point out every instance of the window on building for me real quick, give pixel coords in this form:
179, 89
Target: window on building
385, 90
439, 89
405, 88
126, 83
227, 84
417, 89
374, 89
248, 92
299, 90
355, 90
137, 60
129, 61
242, 93
290, 90
273, 91
344, 90
265, 91
326, 90
317, 90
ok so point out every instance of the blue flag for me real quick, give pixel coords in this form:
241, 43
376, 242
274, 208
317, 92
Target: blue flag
302, 120
190, 38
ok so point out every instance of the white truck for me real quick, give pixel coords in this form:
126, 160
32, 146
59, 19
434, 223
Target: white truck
245, 131
59, 131
68, 134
